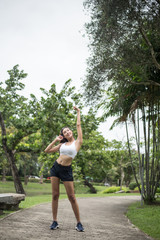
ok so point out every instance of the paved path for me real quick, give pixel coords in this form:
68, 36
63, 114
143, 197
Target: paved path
103, 219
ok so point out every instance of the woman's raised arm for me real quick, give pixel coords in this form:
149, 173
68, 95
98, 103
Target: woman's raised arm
50, 148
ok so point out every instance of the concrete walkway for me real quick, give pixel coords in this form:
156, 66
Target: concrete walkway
103, 218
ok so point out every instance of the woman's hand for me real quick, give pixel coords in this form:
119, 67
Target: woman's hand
59, 138
76, 108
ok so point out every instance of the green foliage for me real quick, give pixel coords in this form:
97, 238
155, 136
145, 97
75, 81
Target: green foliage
120, 52
132, 185
123, 73
158, 190
93, 158
8, 178
113, 189
136, 188
47, 180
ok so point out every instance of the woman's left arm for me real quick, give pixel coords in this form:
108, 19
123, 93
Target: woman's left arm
79, 140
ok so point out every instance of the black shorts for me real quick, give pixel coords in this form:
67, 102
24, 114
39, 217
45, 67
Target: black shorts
62, 172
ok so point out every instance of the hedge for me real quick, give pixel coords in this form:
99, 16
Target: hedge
113, 190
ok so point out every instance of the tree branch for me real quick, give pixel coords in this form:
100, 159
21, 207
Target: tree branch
158, 1
3, 128
2, 125
19, 136
23, 149
150, 46
147, 83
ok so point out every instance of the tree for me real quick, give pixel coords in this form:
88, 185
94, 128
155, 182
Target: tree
121, 162
124, 41
93, 158
124, 38
3, 164
16, 119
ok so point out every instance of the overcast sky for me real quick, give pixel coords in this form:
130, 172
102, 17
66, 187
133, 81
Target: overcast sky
45, 38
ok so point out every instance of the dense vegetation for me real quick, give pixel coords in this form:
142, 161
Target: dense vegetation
29, 125
123, 76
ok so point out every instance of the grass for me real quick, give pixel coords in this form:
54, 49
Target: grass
34, 189
41, 193
146, 218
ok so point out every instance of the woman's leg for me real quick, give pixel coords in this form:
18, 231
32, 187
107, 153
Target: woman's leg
71, 196
55, 196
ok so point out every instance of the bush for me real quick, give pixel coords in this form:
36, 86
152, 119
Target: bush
9, 178
113, 189
47, 180
132, 185
158, 190
136, 188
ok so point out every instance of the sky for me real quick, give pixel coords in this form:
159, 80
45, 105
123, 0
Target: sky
46, 39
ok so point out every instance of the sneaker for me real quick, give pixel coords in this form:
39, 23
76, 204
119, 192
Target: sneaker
54, 225
79, 227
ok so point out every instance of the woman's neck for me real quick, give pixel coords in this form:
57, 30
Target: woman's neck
71, 139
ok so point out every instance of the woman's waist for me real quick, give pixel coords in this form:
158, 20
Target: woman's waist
64, 160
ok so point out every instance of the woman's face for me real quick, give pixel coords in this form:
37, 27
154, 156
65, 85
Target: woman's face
67, 133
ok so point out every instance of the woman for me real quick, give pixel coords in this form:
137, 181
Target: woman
68, 148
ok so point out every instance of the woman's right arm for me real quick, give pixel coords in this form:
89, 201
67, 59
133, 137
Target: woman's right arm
50, 147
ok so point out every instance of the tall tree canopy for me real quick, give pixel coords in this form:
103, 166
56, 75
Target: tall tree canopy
124, 43
124, 72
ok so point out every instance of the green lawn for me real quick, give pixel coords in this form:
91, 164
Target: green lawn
146, 218
34, 189
40, 193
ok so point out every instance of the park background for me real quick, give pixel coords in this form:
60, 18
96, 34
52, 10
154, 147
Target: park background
109, 68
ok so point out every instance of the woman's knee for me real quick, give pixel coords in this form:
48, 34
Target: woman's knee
72, 198
55, 196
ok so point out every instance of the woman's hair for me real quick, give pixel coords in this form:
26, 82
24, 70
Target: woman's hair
61, 133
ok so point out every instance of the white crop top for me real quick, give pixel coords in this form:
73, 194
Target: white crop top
69, 150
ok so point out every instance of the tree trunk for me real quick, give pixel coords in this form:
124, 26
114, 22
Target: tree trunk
152, 178
17, 182
122, 173
147, 196
10, 156
92, 189
41, 176
25, 176
41, 179
157, 167
129, 150
3, 174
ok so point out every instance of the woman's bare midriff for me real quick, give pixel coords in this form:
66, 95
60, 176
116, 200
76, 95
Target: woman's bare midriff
64, 160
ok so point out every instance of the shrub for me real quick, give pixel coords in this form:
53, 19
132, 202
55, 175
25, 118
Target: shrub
158, 190
113, 189
9, 178
47, 180
136, 189
132, 185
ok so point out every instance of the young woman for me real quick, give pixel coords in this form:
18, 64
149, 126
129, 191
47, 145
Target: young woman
68, 148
